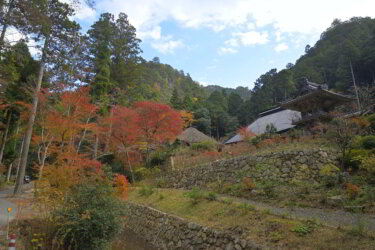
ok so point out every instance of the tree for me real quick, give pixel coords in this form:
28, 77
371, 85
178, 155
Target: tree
114, 55
158, 122
341, 132
57, 30
234, 103
125, 131
175, 100
202, 120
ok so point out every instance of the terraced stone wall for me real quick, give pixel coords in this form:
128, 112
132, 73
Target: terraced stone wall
285, 166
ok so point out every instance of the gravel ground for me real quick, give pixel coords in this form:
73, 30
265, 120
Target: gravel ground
332, 218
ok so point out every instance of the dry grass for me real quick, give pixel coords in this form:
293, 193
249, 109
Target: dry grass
261, 227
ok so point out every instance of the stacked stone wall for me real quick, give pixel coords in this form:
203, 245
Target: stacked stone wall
285, 166
171, 232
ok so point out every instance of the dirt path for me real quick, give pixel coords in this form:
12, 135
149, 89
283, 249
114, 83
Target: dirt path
332, 218
5, 204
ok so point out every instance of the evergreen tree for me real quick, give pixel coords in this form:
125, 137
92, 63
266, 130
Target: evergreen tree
175, 100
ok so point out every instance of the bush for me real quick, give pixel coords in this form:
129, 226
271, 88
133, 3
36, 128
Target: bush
248, 183
352, 190
90, 218
330, 175
371, 119
196, 195
205, 145
256, 140
211, 196
269, 189
157, 158
146, 191
368, 142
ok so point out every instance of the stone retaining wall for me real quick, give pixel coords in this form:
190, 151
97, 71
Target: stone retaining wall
286, 166
170, 232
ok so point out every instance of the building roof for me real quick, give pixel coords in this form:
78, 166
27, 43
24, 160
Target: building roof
282, 119
320, 98
315, 96
192, 135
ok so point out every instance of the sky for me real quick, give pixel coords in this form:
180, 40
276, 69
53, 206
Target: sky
227, 42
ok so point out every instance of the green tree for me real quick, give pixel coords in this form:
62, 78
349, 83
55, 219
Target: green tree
234, 103
175, 100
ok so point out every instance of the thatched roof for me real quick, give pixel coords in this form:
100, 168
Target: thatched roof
192, 135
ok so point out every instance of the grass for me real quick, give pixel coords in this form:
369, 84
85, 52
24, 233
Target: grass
187, 157
261, 227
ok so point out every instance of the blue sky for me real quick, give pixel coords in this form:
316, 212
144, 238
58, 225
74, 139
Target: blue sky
228, 42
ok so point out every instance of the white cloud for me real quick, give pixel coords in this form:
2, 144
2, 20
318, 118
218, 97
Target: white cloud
167, 45
220, 14
278, 36
232, 42
226, 50
281, 47
252, 37
204, 83
154, 33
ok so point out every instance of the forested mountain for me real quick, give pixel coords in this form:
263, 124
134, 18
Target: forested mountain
157, 81
244, 92
345, 47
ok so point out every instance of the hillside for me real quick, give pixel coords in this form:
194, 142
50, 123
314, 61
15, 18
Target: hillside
244, 92
157, 82
342, 45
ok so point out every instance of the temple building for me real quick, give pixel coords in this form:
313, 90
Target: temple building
315, 102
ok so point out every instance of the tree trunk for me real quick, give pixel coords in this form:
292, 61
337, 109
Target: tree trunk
96, 145
5, 137
30, 123
9, 171
19, 157
44, 158
355, 86
106, 148
6, 24
130, 166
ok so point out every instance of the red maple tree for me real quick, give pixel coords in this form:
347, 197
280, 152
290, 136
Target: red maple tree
158, 122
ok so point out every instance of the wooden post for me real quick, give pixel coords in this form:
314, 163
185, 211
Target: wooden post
9, 171
172, 163
355, 86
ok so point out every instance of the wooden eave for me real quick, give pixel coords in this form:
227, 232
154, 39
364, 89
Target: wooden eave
315, 100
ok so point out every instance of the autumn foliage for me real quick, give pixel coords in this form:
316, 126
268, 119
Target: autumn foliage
158, 122
245, 133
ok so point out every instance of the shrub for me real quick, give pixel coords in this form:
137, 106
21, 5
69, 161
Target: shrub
256, 140
121, 185
270, 129
269, 189
89, 219
352, 190
368, 164
245, 208
146, 191
248, 183
368, 142
371, 119
195, 195
157, 158
205, 145
211, 196
294, 134
329, 174
305, 228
